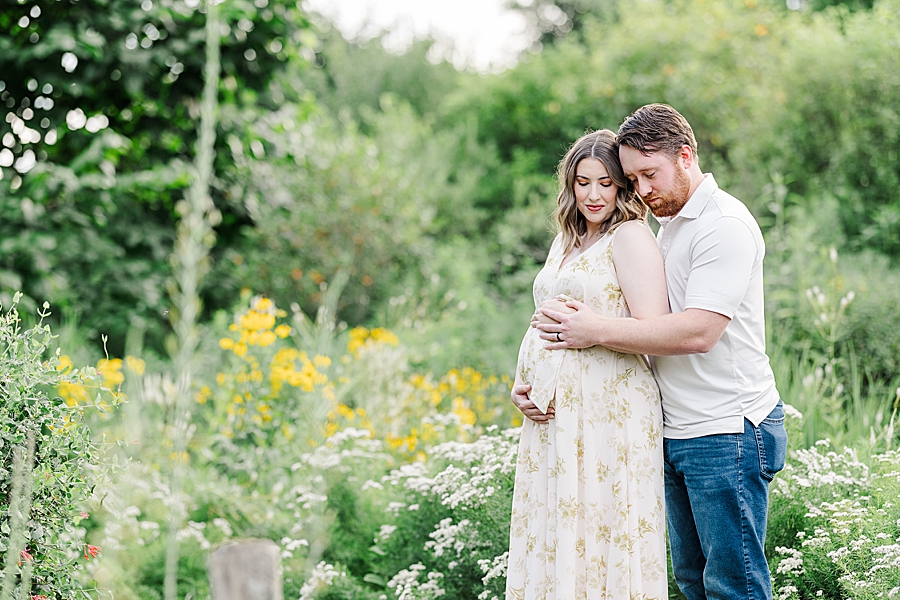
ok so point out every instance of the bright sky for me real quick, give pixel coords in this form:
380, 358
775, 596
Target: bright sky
480, 33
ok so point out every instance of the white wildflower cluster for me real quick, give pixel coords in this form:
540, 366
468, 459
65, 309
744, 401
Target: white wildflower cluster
792, 563
194, 531
448, 536
126, 525
443, 422
853, 526
791, 413
817, 467
289, 546
384, 533
820, 539
224, 526
786, 592
470, 479
371, 485
321, 577
342, 450
303, 496
394, 508
494, 568
406, 584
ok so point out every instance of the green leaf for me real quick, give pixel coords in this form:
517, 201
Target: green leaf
375, 579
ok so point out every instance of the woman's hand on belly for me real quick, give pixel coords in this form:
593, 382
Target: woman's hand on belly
554, 304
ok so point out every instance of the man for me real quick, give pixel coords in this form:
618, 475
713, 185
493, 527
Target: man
723, 419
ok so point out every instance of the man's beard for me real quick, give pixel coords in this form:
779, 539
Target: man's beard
669, 204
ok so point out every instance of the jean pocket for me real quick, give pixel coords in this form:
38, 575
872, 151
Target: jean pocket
771, 440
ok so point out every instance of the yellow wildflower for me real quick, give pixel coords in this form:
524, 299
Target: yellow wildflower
202, 395
283, 330
65, 364
461, 409
111, 371
385, 336
266, 338
226, 343
263, 304
73, 393
240, 349
135, 365
256, 321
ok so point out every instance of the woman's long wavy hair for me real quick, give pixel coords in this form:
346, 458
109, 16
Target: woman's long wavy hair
572, 224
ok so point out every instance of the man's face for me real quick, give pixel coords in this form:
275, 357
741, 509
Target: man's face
660, 180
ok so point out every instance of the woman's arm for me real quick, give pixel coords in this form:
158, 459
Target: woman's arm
639, 268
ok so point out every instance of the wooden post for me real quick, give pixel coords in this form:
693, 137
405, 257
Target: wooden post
246, 570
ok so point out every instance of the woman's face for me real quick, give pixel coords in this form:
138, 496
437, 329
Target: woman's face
595, 193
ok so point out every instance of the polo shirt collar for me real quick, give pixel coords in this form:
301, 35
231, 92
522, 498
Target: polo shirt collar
698, 200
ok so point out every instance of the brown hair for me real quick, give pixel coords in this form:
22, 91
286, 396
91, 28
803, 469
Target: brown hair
572, 224
657, 128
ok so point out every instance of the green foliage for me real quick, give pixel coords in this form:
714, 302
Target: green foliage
111, 132
452, 519
839, 121
834, 525
54, 488
330, 200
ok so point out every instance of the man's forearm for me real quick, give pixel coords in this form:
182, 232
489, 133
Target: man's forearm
689, 332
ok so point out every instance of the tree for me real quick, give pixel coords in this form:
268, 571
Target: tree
102, 101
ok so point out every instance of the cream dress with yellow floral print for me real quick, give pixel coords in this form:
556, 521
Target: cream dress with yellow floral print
587, 516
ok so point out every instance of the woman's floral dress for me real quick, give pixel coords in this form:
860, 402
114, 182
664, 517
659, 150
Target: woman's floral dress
587, 518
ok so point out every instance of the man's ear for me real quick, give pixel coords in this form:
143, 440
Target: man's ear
687, 157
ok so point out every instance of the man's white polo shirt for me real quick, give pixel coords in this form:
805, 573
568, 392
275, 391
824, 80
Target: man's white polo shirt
713, 251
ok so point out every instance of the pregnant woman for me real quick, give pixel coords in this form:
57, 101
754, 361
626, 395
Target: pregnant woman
587, 518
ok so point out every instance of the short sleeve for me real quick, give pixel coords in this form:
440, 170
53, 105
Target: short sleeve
722, 261
554, 252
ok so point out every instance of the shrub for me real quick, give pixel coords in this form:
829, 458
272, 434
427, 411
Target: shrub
53, 462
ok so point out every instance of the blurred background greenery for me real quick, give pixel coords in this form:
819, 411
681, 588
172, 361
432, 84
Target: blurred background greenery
429, 188
393, 192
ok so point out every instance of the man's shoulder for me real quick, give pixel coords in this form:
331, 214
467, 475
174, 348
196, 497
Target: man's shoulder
723, 205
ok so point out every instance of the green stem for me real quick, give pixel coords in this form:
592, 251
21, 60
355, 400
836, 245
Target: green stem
190, 262
19, 515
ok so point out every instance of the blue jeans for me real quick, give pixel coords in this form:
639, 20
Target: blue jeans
717, 496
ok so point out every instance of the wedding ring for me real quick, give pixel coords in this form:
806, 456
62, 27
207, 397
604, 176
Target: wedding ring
558, 339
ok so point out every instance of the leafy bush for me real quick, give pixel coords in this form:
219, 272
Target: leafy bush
49, 463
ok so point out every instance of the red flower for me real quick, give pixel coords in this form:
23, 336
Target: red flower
26, 556
91, 551
83, 515
41, 597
